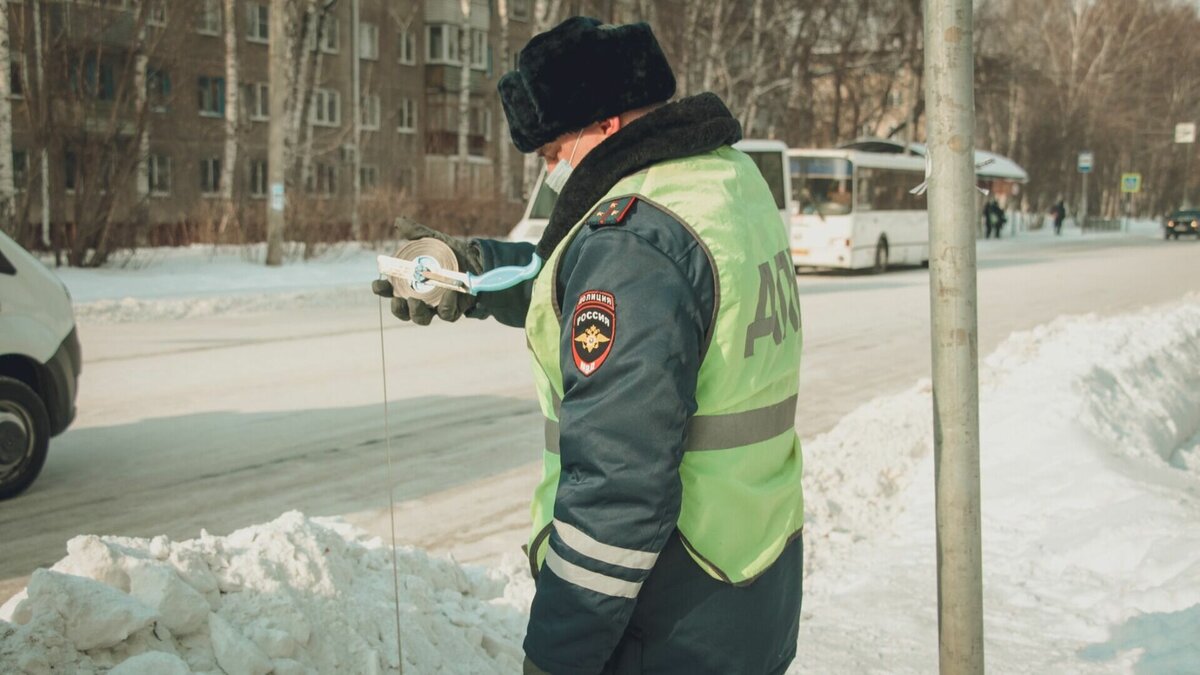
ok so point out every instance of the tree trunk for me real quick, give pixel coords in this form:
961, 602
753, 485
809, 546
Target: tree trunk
462, 175
356, 93
40, 55
280, 85
229, 162
7, 190
502, 138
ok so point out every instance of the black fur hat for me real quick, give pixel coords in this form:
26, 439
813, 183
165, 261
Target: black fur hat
580, 72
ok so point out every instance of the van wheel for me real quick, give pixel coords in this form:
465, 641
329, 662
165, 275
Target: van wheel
881, 257
24, 436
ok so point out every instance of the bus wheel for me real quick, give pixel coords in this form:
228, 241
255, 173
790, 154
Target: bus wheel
881, 256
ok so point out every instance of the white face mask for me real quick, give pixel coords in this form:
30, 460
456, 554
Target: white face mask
557, 178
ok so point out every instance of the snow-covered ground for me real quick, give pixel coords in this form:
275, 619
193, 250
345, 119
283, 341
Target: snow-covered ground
201, 409
1091, 505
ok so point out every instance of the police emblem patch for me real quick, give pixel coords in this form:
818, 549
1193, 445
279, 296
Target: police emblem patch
593, 328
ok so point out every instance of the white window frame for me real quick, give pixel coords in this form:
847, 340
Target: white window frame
407, 40
209, 18
210, 167
479, 47
158, 14
258, 101
258, 23
257, 177
368, 41
218, 100
449, 55
363, 172
154, 175
330, 39
370, 107
155, 99
315, 183
322, 100
406, 122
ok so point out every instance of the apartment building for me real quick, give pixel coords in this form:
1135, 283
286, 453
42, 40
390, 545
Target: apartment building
397, 139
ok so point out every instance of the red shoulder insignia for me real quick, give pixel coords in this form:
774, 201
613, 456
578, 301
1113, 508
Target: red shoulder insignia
611, 212
593, 329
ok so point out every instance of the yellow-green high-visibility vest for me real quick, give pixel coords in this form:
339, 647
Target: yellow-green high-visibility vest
742, 499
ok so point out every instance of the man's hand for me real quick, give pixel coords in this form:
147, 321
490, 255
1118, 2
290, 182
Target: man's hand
453, 304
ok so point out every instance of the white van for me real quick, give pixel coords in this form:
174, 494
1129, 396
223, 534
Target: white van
39, 365
770, 157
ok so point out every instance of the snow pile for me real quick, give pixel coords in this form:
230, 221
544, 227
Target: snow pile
175, 283
1091, 499
295, 595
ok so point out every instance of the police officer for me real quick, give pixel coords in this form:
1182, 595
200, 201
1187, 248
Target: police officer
665, 334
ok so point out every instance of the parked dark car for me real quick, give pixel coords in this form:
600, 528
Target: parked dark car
1181, 223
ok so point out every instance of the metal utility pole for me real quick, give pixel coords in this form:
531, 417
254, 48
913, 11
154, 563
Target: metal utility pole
278, 88
949, 78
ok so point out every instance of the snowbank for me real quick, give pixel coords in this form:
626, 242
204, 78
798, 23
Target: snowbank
1091, 500
1090, 458
295, 595
173, 283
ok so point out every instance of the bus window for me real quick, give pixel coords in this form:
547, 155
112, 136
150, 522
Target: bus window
888, 190
822, 185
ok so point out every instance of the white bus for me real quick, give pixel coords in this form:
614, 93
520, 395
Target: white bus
770, 157
854, 210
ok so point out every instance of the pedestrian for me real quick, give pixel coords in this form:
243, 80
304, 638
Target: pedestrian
665, 334
1059, 213
993, 218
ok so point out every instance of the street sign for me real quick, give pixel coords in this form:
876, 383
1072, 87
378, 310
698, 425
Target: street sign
1185, 133
1131, 183
277, 197
1086, 160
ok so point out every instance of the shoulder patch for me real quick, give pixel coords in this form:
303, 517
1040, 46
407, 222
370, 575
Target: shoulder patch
593, 329
611, 212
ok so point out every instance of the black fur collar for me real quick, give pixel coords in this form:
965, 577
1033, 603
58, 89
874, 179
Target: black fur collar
690, 126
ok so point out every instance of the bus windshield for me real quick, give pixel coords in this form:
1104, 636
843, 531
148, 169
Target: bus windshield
822, 185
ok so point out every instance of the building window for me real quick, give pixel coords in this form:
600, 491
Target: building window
212, 96
158, 14
479, 49
208, 18
256, 101
441, 42
327, 107
258, 178
329, 41
159, 174
368, 41
368, 177
408, 47
323, 181
406, 116
370, 112
20, 163
158, 89
70, 170
16, 85
518, 9
97, 79
258, 22
210, 175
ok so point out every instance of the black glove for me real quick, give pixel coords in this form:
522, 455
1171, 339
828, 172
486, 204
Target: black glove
453, 304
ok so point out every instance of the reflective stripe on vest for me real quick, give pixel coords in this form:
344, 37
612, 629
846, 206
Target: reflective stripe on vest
716, 432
